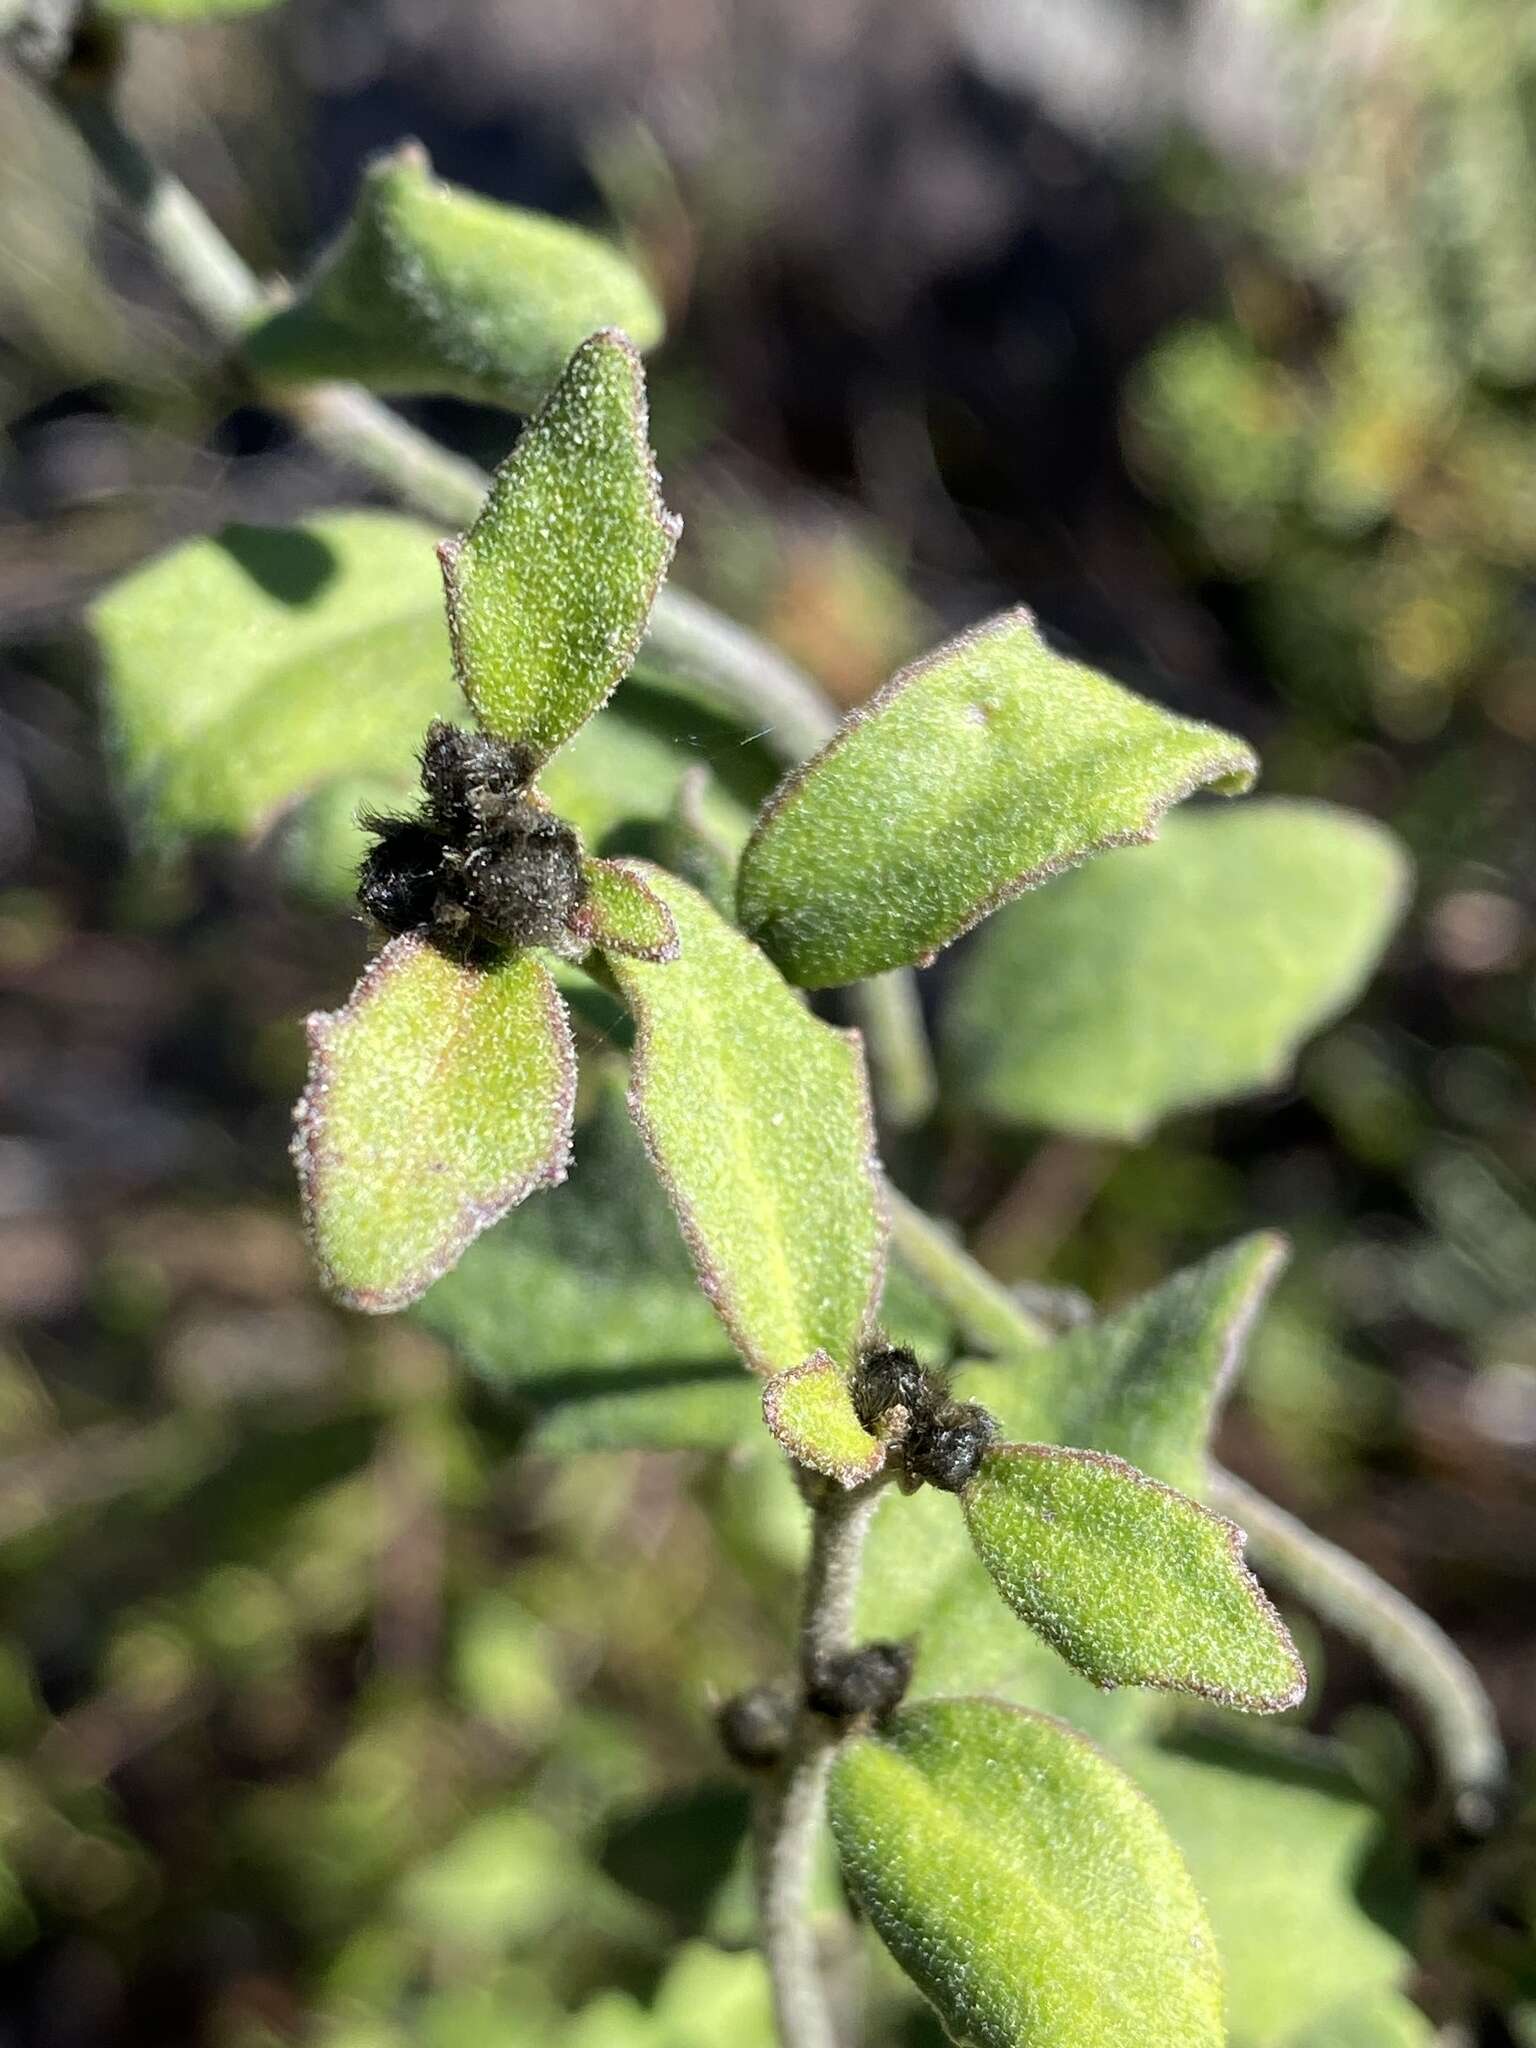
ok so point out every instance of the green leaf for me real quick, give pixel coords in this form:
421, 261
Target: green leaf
1133, 1583
697, 1408
1144, 1384
982, 770
757, 1118
438, 1098
1384, 2020
430, 288
923, 1583
1023, 1883
243, 671
622, 914
592, 1280
809, 1413
550, 590
1175, 974
1285, 1854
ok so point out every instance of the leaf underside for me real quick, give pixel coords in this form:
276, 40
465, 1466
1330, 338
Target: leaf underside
1134, 1583
431, 288
1166, 976
550, 590
757, 1117
1023, 1883
984, 769
438, 1098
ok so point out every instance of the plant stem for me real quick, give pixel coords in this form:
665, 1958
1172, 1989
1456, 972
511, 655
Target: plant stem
790, 1813
890, 1016
1459, 1718
988, 1315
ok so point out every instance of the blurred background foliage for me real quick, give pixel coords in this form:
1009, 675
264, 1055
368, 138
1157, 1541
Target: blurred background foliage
1208, 327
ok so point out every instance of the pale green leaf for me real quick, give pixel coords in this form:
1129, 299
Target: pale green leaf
1386, 2019
1284, 1852
1144, 1384
809, 1412
243, 671
982, 770
550, 590
1166, 976
622, 914
430, 288
438, 1098
1134, 1583
1023, 1883
757, 1117
590, 1281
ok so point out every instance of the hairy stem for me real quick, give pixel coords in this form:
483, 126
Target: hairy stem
988, 1314
790, 1813
1459, 1719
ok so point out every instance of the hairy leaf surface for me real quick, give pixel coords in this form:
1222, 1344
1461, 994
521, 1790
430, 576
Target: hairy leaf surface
982, 770
809, 1412
438, 1098
622, 914
757, 1117
550, 590
1134, 1583
1023, 1883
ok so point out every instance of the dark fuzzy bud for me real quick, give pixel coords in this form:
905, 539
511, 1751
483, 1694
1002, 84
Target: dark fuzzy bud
470, 778
756, 1727
887, 1378
398, 878
869, 1680
944, 1446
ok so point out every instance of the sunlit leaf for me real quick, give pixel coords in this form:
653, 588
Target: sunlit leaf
810, 1414
1143, 1385
1175, 974
438, 1099
1023, 1883
982, 770
430, 288
550, 590
1285, 1854
757, 1117
1134, 1583
622, 914
243, 671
